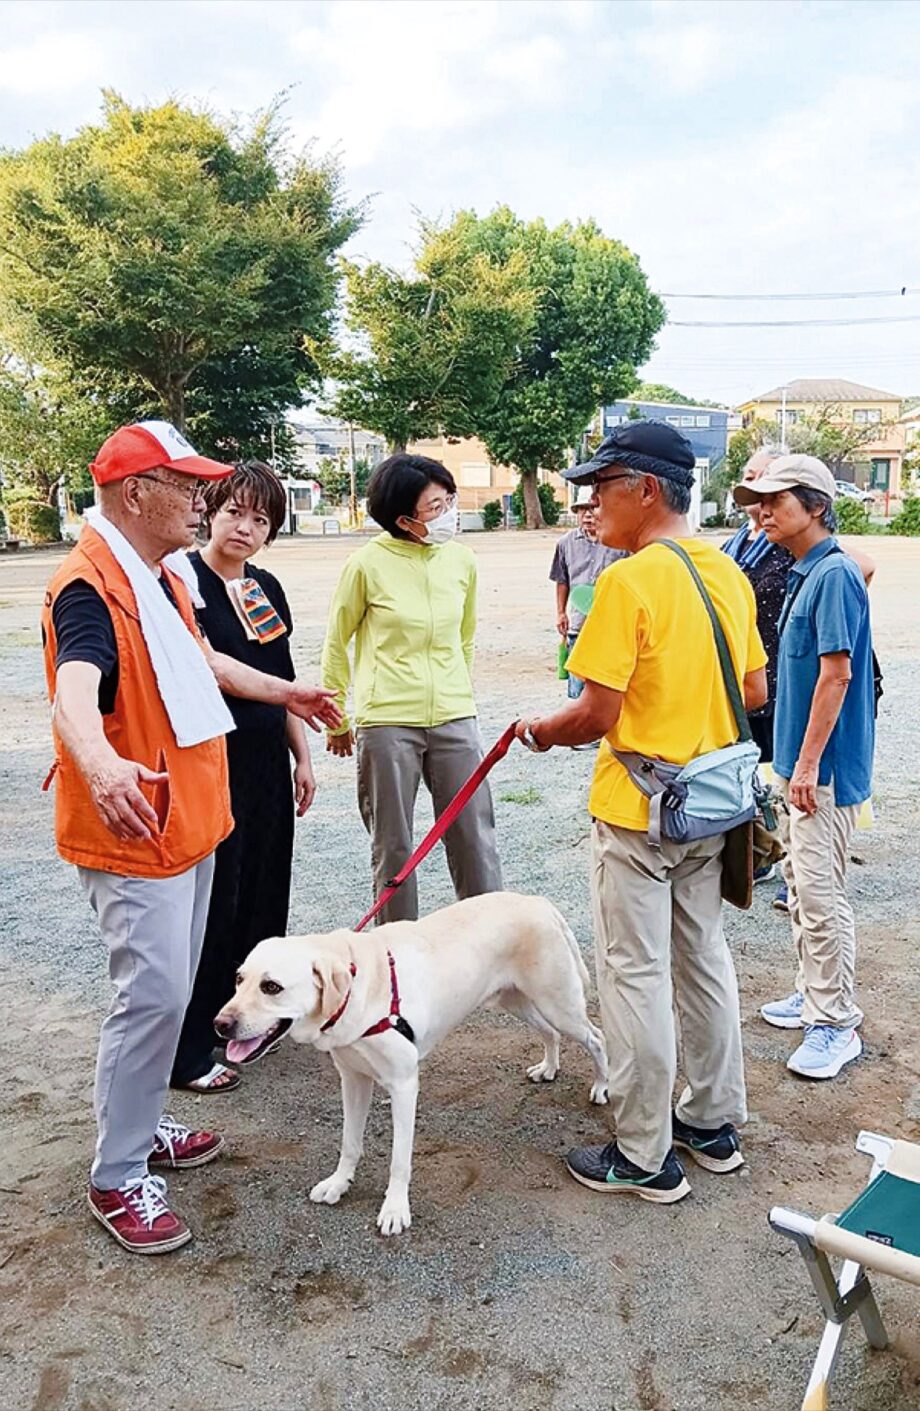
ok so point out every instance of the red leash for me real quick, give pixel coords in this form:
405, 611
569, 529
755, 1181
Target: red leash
453, 810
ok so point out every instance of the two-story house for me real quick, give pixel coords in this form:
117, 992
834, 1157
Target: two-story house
875, 463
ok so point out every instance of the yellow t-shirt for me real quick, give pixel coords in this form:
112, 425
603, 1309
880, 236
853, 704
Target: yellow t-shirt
648, 634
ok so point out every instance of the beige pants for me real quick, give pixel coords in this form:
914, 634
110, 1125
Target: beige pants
392, 761
660, 946
823, 929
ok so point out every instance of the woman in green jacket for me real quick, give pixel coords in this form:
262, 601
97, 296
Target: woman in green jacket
408, 598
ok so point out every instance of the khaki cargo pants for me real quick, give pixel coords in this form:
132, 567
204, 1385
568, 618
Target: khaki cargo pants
823, 927
660, 948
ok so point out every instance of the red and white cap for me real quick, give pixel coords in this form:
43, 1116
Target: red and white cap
133, 450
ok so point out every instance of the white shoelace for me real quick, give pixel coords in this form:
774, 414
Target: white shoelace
148, 1198
169, 1132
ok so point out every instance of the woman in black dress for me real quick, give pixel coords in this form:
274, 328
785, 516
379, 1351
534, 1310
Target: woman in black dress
245, 615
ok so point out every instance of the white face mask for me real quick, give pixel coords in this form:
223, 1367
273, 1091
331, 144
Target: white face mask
442, 529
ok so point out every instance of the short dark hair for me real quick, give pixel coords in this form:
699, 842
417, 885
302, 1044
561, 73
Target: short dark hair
816, 499
396, 484
255, 484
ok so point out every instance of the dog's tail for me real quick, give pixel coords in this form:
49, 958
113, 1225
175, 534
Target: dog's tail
573, 946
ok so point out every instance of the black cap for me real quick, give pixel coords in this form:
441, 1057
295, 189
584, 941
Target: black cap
650, 447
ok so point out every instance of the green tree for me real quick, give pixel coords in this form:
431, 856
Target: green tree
550, 507
596, 321
433, 347
167, 263
661, 392
48, 436
828, 433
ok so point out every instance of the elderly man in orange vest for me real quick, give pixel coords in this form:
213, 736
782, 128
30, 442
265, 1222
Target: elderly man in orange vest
141, 795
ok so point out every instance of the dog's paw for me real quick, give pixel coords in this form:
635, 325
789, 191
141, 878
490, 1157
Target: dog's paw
395, 1216
542, 1073
599, 1094
330, 1191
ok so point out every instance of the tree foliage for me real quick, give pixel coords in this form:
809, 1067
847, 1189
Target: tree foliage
661, 392
550, 508
596, 320
507, 330
852, 516
48, 435
335, 479
167, 263
828, 433
434, 347
908, 520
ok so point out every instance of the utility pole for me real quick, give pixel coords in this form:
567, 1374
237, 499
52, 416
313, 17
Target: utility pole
782, 424
352, 483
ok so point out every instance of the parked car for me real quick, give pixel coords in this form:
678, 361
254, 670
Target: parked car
845, 489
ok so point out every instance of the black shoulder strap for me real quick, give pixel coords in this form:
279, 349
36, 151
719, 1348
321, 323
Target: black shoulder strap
725, 656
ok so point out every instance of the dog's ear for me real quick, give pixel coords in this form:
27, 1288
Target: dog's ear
333, 978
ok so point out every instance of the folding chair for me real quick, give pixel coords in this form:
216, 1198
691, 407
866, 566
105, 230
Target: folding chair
879, 1231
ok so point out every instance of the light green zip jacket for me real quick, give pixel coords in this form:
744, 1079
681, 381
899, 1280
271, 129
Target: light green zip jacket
411, 609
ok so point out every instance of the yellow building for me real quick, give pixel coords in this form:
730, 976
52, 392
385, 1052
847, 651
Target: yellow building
478, 478
877, 461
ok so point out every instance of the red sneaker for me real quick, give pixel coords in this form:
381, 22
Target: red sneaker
138, 1217
180, 1147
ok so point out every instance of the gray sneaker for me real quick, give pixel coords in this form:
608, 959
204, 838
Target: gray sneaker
785, 1013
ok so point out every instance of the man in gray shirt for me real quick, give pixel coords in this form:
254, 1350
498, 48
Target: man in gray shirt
580, 558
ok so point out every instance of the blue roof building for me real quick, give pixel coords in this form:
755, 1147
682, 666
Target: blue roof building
706, 428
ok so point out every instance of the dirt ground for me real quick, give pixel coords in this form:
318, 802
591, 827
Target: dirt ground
514, 1287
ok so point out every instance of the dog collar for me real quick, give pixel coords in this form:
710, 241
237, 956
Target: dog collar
342, 1007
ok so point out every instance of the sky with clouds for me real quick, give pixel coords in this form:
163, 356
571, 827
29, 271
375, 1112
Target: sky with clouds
735, 146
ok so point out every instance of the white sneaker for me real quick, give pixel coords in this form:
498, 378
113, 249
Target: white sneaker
824, 1051
785, 1013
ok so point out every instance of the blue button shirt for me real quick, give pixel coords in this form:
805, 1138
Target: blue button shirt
826, 610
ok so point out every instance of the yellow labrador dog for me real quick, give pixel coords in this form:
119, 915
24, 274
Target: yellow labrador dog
379, 1003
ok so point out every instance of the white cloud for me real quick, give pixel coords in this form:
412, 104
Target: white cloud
422, 72
51, 63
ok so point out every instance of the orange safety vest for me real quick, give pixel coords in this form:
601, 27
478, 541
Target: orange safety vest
193, 806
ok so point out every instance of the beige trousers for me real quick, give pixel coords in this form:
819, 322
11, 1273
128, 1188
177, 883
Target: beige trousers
660, 947
823, 929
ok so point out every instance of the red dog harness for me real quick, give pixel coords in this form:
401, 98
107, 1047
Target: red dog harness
393, 1020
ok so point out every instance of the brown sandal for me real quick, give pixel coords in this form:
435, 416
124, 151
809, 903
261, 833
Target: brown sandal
208, 1083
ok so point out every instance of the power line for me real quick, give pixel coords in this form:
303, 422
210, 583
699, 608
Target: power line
791, 322
850, 294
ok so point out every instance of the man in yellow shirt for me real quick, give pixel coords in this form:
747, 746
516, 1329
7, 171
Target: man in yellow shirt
654, 686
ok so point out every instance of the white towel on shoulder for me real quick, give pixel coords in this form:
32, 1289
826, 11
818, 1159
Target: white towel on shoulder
188, 688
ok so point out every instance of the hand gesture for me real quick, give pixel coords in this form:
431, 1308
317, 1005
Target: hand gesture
304, 786
340, 745
314, 705
118, 800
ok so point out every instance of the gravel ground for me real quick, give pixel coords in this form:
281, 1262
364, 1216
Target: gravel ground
514, 1286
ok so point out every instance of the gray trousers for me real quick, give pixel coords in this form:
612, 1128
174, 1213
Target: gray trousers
153, 929
392, 760
660, 947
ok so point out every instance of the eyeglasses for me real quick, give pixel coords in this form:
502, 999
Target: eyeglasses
192, 491
609, 479
433, 510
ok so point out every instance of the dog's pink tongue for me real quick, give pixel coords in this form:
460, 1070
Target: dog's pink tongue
240, 1049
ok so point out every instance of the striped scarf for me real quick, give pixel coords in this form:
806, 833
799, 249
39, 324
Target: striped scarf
747, 555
